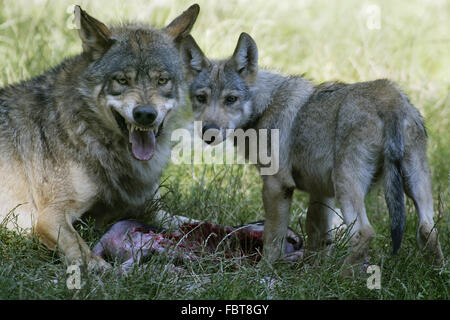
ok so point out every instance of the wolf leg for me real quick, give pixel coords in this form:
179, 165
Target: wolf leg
319, 220
352, 179
54, 228
418, 188
361, 232
277, 202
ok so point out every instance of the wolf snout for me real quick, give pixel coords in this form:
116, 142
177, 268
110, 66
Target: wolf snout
209, 133
144, 115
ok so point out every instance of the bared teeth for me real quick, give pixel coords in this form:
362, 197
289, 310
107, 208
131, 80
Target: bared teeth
133, 128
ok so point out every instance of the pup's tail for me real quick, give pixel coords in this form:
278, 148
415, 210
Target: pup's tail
393, 181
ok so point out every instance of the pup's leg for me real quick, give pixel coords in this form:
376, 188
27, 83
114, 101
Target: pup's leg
418, 188
319, 220
277, 202
352, 177
54, 228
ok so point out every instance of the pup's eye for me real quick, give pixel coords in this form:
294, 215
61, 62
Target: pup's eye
162, 81
201, 98
122, 81
230, 99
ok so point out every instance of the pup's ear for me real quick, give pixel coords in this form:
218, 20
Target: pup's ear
182, 25
245, 57
95, 36
192, 55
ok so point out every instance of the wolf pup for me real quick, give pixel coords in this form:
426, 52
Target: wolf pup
336, 140
92, 135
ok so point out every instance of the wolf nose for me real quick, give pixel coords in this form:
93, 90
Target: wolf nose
211, 137
144, 115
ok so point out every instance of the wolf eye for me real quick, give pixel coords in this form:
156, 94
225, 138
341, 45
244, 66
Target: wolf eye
122, 81
201, 98
163, 81
230, 99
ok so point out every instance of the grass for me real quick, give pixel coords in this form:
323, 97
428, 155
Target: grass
327, 41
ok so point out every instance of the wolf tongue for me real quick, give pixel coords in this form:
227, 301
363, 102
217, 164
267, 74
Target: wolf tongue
142, 144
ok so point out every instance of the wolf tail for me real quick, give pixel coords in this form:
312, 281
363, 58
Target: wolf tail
393, 181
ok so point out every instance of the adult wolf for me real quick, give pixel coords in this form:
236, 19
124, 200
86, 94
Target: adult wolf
92, 135
336, 140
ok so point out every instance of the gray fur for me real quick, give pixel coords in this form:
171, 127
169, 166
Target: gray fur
63, 151
336, 140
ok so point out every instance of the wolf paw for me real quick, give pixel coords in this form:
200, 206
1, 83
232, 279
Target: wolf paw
98, 265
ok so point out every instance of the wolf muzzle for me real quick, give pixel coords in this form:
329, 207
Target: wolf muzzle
144, 115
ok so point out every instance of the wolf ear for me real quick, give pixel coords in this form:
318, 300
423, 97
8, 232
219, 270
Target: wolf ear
182, 25
95, 36
192, 55
245, 57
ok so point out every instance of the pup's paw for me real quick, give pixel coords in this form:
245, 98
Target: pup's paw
355, 269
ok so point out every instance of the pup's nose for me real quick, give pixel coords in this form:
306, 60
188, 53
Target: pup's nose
210, 138
144, 115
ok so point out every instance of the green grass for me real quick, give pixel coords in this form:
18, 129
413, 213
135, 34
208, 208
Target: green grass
327, 40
